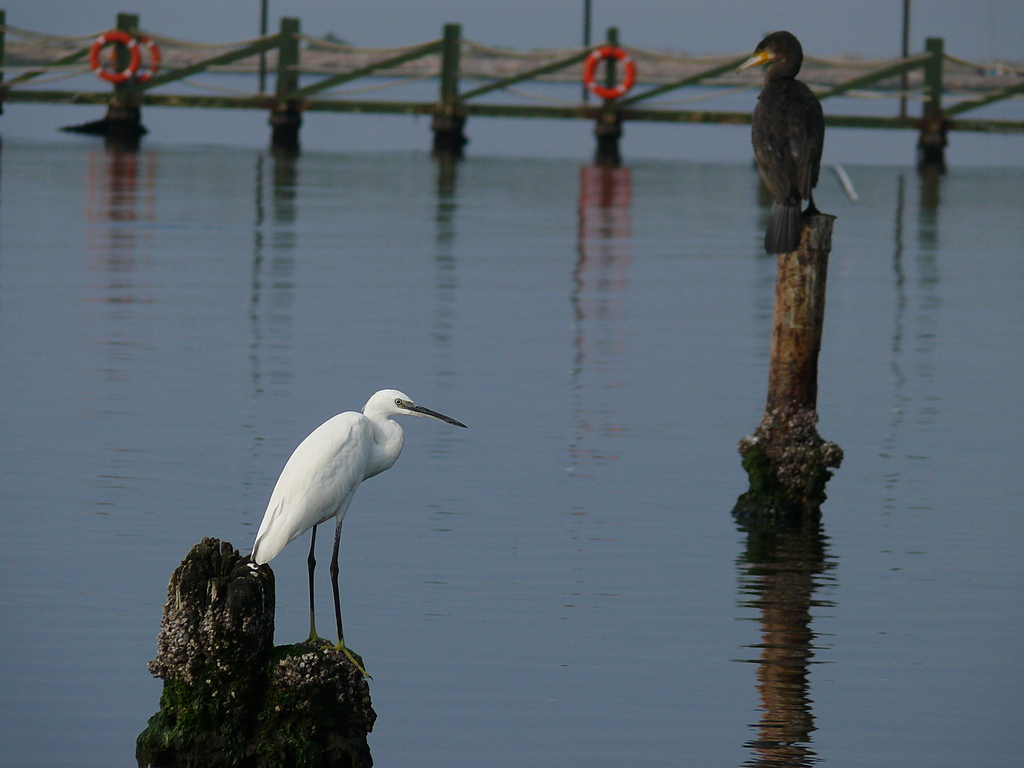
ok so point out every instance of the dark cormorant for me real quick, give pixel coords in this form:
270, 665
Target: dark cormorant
788, 133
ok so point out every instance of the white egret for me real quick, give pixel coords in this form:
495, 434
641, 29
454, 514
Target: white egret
321, 476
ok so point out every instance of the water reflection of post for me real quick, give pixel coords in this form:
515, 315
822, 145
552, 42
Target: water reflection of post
444, 259
913, 385
119, 188
256, 285
277, 303
780, 571
599, 282
271, 295
899, 379
931, 186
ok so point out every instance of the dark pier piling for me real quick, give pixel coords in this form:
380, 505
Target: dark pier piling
786, 459
122, 126
449, 120
608, 132
230, 698
286, 117
608, 126
933, 127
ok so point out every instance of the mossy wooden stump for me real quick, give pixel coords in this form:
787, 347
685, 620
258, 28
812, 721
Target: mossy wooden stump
230, 697
787, 463
786, 459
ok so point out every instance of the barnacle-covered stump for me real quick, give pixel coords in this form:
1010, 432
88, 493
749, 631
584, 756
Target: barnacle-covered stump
788, 464
230, 697
786, 459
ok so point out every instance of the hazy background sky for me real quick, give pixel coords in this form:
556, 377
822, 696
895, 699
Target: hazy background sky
974, 29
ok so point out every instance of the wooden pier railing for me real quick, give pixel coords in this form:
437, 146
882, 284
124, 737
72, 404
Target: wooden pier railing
307, 68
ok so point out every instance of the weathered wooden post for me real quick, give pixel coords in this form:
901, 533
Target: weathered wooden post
232, 699
286, 118
121, 127
608, 129
586, 41
786, 460
123, 122
3, 41
263, 54
931, 143
904, 51
449, 120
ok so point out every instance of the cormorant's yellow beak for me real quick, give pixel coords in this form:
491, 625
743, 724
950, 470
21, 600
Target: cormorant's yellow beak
761, 57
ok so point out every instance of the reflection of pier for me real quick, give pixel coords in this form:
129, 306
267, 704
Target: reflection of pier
445, 264
780, 572
272, 294
914, 332
120, 201
119, 191
272, 289
599, 285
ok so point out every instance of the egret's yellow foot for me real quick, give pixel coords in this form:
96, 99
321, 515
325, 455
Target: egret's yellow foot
354, 657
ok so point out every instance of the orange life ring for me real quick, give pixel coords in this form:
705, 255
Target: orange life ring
590, 68
109, 38
154, 57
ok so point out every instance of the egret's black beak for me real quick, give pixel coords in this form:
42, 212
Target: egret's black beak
419, 410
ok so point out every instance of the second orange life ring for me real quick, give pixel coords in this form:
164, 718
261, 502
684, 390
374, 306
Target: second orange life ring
590, 68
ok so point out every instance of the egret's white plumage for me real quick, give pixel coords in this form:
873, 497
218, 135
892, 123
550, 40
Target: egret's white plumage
321, 476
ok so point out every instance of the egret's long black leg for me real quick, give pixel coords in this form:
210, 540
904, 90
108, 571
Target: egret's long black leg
311, 563
355, 658
334, 581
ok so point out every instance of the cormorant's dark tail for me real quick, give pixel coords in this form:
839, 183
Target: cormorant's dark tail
783, 234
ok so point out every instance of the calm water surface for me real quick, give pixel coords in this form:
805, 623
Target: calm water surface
562, 584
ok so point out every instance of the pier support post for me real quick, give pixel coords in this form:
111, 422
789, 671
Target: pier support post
124, 115
3, 44
449, 121
122, 126
229, 697
608, 129
931, 143
786, 459
286, 119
